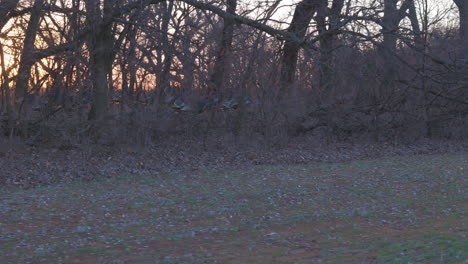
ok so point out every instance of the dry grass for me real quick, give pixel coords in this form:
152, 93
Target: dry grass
409, 209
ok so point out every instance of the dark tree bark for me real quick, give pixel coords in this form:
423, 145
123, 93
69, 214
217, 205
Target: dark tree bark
6, 6
327, 42
413, 17
128, 62
388, 47
102, 56
4, 85
217, 78
463, 10
390, 22
164, 82
303, 14
27, 55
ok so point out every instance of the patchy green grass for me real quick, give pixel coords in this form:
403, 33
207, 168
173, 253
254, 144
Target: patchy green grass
393, 210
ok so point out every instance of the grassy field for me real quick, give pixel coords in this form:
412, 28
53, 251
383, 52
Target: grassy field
393, 210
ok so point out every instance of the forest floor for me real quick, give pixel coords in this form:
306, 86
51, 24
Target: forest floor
400, 209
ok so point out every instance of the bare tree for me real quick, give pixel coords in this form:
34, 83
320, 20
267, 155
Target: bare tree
463, 10
101, 53
217, 78
6, 8
153, 48
388, 48
27, 55
164, 80
413, 17
303, 14
329, 31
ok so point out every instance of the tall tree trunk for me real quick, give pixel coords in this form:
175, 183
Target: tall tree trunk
388, 45
5, 85
217, 78
132, 67
124, 72
128, 62
327, 42
413, 17
303, 14
102, 55
6, 6
164, 80
420, 43
27, 56
390, 22
463, 10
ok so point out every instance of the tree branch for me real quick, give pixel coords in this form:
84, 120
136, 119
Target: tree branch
279, 34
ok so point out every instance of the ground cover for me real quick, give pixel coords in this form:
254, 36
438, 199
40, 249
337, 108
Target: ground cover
405, 209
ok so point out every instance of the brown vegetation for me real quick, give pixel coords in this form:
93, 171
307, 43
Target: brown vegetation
140, 72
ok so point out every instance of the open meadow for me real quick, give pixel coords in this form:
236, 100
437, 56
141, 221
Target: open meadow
406, 209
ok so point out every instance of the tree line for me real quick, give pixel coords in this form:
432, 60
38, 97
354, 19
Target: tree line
352, 66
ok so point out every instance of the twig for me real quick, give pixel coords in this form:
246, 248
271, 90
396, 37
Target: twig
48, 115
433, 93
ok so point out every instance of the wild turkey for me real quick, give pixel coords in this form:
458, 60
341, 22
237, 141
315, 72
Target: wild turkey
232, 103
178, 105
187, 108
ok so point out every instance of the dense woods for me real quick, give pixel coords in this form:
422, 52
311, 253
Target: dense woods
121, 70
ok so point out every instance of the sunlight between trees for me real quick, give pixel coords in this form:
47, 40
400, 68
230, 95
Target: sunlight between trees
386, 68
